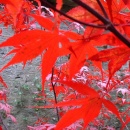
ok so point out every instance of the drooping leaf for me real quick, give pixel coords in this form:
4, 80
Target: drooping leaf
29, 44
52, 53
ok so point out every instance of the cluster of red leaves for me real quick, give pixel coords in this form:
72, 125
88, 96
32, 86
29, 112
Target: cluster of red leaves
52, 42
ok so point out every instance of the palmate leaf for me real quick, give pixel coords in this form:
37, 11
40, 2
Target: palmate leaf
88, 107
30, 44
84, 47
116, 57
89, 110
26, 46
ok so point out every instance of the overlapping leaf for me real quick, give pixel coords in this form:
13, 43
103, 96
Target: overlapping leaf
90, 106
116, 57
81, 49
113, 8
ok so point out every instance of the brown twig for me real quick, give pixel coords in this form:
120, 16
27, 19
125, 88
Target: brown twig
53, 87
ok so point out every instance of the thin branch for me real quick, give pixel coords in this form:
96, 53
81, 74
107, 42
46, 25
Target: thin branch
102, 8
73, 19
108, 23
92, 11
53, 87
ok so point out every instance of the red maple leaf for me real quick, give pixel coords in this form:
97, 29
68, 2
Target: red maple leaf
30, 44
116, 57
89, 107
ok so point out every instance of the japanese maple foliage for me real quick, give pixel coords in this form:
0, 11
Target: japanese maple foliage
85, 85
